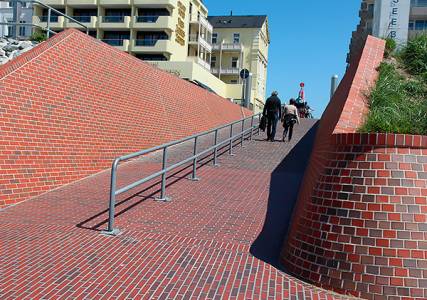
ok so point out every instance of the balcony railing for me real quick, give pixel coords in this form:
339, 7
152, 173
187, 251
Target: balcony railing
113, 19
83, 19
228, 46
53, 19
195, 38
147, 42
147, 19
114, 42
197, 18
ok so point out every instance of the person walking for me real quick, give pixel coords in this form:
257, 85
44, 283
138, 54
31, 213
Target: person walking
290, 117
272, 112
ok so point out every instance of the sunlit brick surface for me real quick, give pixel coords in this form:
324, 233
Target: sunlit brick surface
72, 104
195, 247
360, 222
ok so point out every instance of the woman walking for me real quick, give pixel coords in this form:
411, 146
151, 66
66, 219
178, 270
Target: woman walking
290, 117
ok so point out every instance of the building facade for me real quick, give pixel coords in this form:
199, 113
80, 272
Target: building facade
25, 13
176, 36
152, 30
241, 42
388, 18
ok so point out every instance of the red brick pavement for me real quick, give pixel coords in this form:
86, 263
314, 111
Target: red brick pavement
196, 247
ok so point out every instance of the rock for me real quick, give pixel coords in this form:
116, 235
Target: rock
10, 48
25, 44
3, 60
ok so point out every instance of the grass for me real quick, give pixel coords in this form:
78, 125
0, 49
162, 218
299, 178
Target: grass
398, 102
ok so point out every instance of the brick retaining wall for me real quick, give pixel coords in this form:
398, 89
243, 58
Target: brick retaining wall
73, 103
360, 223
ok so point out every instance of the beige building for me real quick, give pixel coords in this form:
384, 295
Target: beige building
417, 22
241, 42
160, 30
174, 35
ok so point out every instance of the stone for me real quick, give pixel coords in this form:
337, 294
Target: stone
10, 48
25, 45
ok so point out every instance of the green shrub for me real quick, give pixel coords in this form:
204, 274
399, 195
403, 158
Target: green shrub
390, 46
414, 56
38, 37
397, 104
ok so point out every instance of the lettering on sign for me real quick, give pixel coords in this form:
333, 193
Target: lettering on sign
394, 16
180, 26
391, 19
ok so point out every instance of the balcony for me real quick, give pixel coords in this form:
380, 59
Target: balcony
115, 3
152, 46
89, 21
114, 22
153, 22
199, 19
55, 21
229, 47
196, 39
82, 3
118, 44
54, 2
201, 62
155, 3
226, 71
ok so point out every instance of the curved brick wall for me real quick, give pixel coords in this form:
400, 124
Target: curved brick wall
360, 223
72, 104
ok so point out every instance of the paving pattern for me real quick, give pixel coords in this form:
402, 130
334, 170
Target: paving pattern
218, 239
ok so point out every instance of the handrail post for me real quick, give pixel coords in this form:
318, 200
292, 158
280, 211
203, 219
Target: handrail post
230, 151
194, 175
215, 160
252, 128
48, 23
111, 230
163, 196
243, 133
259, 122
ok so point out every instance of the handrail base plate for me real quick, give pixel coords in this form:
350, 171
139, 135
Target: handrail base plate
165, 199
114, 232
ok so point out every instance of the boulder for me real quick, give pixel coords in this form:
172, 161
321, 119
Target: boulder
25, 45
10, 48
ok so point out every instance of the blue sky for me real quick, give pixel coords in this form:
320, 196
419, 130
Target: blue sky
309, 42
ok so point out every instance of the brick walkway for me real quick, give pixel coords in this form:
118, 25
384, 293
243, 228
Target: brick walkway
218, 239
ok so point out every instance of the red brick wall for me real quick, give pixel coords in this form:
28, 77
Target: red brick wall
360, 222
73, 104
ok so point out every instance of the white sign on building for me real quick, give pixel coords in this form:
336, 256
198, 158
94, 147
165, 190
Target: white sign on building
391, 19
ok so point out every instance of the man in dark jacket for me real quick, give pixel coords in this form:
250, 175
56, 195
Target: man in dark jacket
273, 112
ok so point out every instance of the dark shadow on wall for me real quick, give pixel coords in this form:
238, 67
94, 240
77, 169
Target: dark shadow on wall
284, 187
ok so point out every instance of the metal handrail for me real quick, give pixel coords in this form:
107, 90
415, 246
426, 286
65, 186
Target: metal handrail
165, 169
50, 9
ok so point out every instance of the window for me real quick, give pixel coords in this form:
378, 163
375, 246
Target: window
22, 29
236, 38
9, 29
234, 62
214, 38
411, 25
213, 62
420, 25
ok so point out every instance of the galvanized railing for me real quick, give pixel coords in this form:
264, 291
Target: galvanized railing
244, 132
48, 21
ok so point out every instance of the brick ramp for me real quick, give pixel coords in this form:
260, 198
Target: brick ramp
198, 246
